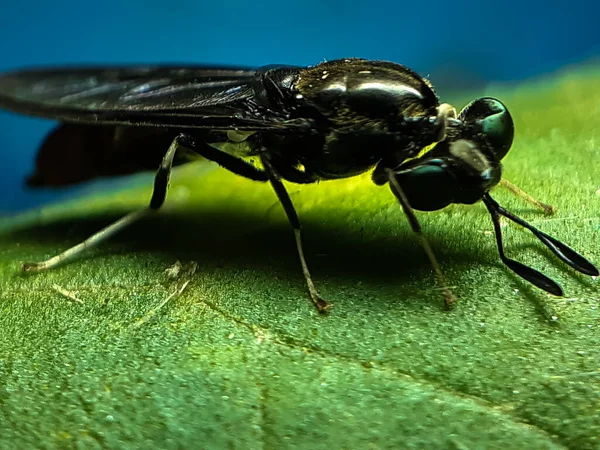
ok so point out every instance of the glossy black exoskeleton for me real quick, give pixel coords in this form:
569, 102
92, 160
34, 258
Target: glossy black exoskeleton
334, 120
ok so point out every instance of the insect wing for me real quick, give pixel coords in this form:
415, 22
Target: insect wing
188, 97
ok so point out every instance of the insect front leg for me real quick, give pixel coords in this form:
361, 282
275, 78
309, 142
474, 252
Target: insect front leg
549, 210
449, 298
159, 193
290, 211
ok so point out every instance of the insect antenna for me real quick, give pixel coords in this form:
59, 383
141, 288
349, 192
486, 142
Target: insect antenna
562, 251
565, 253
530, 274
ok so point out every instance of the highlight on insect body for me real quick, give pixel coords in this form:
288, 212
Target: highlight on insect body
334, 120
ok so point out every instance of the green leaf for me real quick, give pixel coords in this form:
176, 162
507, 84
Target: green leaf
226, 351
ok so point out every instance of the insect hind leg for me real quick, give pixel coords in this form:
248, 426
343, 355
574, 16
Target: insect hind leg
159, 193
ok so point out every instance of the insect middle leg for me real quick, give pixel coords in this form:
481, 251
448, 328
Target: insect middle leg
242, 168
290, 211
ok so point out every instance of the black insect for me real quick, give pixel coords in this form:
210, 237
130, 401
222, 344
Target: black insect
334, 120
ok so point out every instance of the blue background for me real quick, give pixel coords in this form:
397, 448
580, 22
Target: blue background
456, 43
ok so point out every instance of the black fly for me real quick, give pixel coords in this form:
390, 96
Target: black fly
334, 120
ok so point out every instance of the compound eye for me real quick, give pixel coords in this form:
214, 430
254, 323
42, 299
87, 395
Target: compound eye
428, 187
489, 117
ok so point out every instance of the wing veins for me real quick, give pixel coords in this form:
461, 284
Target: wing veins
161, 96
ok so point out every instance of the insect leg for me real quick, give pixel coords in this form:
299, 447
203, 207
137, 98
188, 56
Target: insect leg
292, 216
449, 298
291, 173
231, 163
548, 209
161, 182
